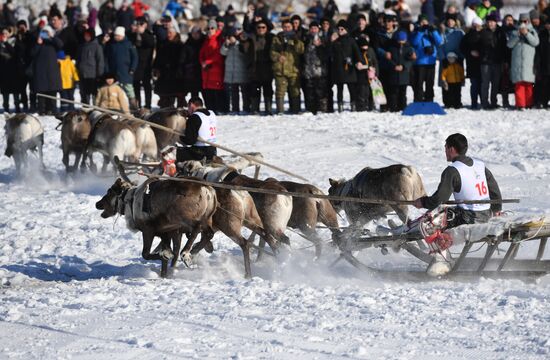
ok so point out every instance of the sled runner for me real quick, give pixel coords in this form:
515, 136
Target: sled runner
427, 238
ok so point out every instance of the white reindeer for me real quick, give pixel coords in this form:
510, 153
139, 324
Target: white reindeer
23, 132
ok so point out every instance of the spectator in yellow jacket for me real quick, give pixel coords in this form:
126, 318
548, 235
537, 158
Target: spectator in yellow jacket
69, 77
111, 96
453, 79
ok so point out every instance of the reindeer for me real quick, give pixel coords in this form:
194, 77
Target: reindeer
308, 211
395, 182
274, 210
23, 132
75, 130
146, 141
163, 208
111, 138
174, 119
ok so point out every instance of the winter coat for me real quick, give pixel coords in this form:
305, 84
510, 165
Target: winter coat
125, 18
8, 68
139, 8
174, 8
345, 54
262, 66
315, 60
422, 40
90, 60
112, 97
401, 55
107, 18
544, 52
289, 47
69, 39
145, 45
121, 59
191, 65
453, 74
237, 63
46, 76
472, 42
493, 46
482, 11
367, 58
384, 42
427, 8
451, 39
523, 56
212, 74
167, 64
69, 75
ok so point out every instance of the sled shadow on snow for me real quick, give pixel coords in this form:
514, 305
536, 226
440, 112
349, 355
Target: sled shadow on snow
68, 268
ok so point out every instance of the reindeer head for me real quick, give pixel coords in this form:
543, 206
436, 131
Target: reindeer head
336, 189
111, 202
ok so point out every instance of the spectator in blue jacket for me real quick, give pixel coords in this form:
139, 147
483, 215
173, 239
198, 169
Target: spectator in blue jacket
425, 41
175, 8
122, 60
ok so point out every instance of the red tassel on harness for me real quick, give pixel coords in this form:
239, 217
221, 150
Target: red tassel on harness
169, 167
442, 240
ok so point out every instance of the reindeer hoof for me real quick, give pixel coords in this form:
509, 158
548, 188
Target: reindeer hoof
187, 259
166, 254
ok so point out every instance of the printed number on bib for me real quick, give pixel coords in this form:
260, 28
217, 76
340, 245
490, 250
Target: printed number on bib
212, 131
481, 188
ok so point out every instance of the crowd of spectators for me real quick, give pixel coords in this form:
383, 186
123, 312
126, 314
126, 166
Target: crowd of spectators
117, 56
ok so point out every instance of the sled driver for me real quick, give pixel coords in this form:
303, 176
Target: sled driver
200, 123
467, 179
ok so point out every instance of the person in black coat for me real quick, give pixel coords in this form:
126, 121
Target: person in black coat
46, 76
315, 70
66, 34
544, 61
470, 46
261, 73
492, 55
168, 71
367, 67
345, 55
24, 42
402, 59
107, 16
125, 17
8, 71
191, 66
90, 64
144, 41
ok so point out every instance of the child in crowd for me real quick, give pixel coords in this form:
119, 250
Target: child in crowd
111, 96
69, 77
453, 79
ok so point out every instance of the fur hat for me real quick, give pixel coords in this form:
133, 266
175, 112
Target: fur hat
452, 55
524, 17
342, 23
120, 31
212, 24
492, 17
534, 14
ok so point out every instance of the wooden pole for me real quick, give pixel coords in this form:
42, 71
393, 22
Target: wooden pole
130, 117
318, 196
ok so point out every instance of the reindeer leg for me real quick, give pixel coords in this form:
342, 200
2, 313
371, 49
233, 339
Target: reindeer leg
186, 252
206, 240
245, 247
77, 157
176, 241
146, 252
106, 161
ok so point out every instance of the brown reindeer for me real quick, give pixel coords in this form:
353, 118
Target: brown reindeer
394, 182
274, 210
75, 130
174, 119
307, 212
146, 141
236, 210
163, 208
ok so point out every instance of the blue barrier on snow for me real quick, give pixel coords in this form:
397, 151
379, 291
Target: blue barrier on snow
423, 108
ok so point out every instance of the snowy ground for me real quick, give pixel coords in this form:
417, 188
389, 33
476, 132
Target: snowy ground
73, 285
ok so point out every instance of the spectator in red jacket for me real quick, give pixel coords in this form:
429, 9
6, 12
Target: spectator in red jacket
139, 8
212, 65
